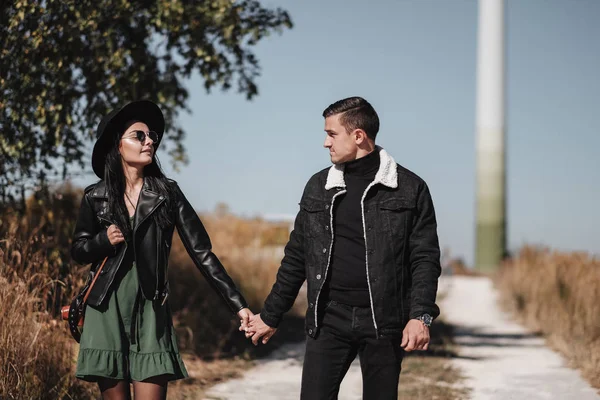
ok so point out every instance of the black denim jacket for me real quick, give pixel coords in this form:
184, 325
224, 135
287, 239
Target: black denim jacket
403, 255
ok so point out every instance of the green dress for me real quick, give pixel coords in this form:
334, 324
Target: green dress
128, 337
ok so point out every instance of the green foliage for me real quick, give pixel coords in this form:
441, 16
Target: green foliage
65, 63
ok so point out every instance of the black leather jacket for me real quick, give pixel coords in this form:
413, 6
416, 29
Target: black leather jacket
151, 246
403, 255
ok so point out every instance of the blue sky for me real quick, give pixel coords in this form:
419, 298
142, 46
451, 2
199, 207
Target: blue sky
414, 60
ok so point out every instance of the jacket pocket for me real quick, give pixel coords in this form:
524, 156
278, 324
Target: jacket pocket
397, 215
317, 217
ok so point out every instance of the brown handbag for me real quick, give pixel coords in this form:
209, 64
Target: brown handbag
75, 312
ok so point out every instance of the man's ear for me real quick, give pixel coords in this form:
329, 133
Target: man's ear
360, 136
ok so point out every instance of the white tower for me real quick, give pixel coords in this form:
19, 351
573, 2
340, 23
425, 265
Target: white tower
491, 158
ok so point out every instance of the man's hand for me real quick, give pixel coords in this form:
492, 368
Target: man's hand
415, 336
245, 314
257, 329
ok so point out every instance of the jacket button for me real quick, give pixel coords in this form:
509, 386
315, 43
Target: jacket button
311, 305
327, 206
326, 227
318, 276
324, 251
310, 331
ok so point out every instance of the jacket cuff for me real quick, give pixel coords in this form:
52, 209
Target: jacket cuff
418, 311
239, 307
270, 319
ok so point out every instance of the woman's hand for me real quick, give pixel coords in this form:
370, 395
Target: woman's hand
244, 315
115, 236
258, 329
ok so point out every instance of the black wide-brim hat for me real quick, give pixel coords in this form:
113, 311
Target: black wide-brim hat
113, 124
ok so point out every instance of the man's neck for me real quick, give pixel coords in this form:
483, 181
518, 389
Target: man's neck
364, 166
365, 150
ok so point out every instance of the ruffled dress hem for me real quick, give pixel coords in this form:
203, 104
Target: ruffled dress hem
94, 364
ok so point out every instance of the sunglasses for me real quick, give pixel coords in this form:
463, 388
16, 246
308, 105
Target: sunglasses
141, 136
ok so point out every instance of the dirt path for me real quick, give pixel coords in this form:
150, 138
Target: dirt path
278, 378
500, 359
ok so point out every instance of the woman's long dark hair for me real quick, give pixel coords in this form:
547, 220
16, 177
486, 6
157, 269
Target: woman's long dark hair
114, 178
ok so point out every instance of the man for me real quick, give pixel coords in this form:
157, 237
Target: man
365, 240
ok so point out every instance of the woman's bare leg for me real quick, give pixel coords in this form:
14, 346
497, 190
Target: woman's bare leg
113, 389
154, 388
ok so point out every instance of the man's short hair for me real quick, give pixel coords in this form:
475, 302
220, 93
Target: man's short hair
357, 113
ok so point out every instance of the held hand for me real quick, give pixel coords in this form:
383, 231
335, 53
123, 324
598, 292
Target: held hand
115, 236
257, 329
245, 314
415, 336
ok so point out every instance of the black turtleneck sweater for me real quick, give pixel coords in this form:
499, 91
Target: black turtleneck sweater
348, 274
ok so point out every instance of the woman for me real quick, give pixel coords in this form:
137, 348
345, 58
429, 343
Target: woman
129, 216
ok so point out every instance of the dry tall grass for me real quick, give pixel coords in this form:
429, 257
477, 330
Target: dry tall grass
558, 294
36, 246
36, 352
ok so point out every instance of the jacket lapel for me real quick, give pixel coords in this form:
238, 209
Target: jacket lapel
148, 202
99, 191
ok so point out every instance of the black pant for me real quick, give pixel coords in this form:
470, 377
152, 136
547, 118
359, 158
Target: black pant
345, 332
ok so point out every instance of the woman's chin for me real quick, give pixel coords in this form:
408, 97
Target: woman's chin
143, 162
146, 159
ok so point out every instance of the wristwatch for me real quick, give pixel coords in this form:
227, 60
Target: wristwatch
426, 319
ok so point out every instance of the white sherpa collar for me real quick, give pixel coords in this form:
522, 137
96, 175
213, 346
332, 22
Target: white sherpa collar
387, 174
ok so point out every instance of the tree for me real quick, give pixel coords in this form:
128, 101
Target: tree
65, 63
